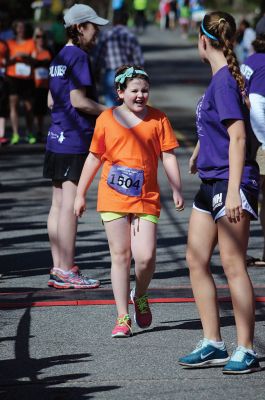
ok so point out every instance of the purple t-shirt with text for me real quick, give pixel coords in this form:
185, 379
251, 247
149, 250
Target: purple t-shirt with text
70, 130
253, 70
221, 102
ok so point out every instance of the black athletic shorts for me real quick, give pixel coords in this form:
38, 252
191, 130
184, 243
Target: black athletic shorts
23, 88
63, 167
212, 195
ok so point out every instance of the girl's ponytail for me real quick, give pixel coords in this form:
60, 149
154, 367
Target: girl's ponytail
222, 27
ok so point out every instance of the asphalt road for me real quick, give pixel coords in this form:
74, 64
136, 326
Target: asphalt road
61, 353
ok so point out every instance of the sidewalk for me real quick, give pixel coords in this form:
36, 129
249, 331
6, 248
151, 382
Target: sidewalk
52, 353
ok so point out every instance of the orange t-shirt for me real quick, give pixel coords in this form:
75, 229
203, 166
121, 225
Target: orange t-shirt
41, 73
20, 69
139, 147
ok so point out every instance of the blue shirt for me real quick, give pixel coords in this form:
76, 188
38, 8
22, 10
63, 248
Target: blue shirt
117, 46
70, 130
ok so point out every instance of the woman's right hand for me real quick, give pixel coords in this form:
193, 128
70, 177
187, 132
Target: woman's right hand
79, 206
233, 206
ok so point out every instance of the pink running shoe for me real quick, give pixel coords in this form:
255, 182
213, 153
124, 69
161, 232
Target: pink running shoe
73, 280
122, 328
142, 312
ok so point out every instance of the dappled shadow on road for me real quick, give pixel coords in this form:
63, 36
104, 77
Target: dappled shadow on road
39, 391
195, 323
20, 377
29, 255
9, 165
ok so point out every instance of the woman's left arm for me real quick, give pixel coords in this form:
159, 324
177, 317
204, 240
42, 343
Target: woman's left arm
237, 154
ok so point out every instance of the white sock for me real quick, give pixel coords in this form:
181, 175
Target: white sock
218, 345
62, 271
246, 350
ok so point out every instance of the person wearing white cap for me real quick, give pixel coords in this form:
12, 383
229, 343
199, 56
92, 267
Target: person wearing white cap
81, 13
73, 102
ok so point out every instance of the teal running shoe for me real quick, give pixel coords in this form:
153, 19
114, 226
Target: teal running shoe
242, 362
205, 355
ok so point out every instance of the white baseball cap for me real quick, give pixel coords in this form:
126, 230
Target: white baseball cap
80, 13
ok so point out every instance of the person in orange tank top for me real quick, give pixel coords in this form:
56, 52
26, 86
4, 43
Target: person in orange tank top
43, 58
3, 92
20, 80
128, 141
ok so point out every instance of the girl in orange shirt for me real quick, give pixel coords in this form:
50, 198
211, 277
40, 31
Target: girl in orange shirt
128, 141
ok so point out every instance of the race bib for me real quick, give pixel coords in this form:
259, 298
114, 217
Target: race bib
41, 73
23, 69
125, 180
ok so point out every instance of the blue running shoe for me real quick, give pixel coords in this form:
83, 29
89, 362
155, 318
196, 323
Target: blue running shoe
242, 362
204, 355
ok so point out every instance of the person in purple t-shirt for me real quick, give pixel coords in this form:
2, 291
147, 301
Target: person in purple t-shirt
225, 203
74, 108
253, 70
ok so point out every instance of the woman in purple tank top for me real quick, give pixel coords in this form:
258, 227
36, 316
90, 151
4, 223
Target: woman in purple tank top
225, 203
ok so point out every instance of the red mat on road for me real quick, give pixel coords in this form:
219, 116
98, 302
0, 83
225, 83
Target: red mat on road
17, 298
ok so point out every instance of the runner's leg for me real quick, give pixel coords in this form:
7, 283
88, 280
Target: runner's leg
202, 238
67, 226
233, 242
143, 244
53, 222
118, 234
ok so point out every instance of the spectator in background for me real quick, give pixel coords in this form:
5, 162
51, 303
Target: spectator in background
20, 80
140, 7
42, 58
6, 32
184, 18
248, 37
3, 91
58, 34
164, 9
173, 14
197, 14
244, 38
115, 47
117, 6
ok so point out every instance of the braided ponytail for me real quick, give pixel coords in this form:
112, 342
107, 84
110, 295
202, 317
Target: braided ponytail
223, 27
